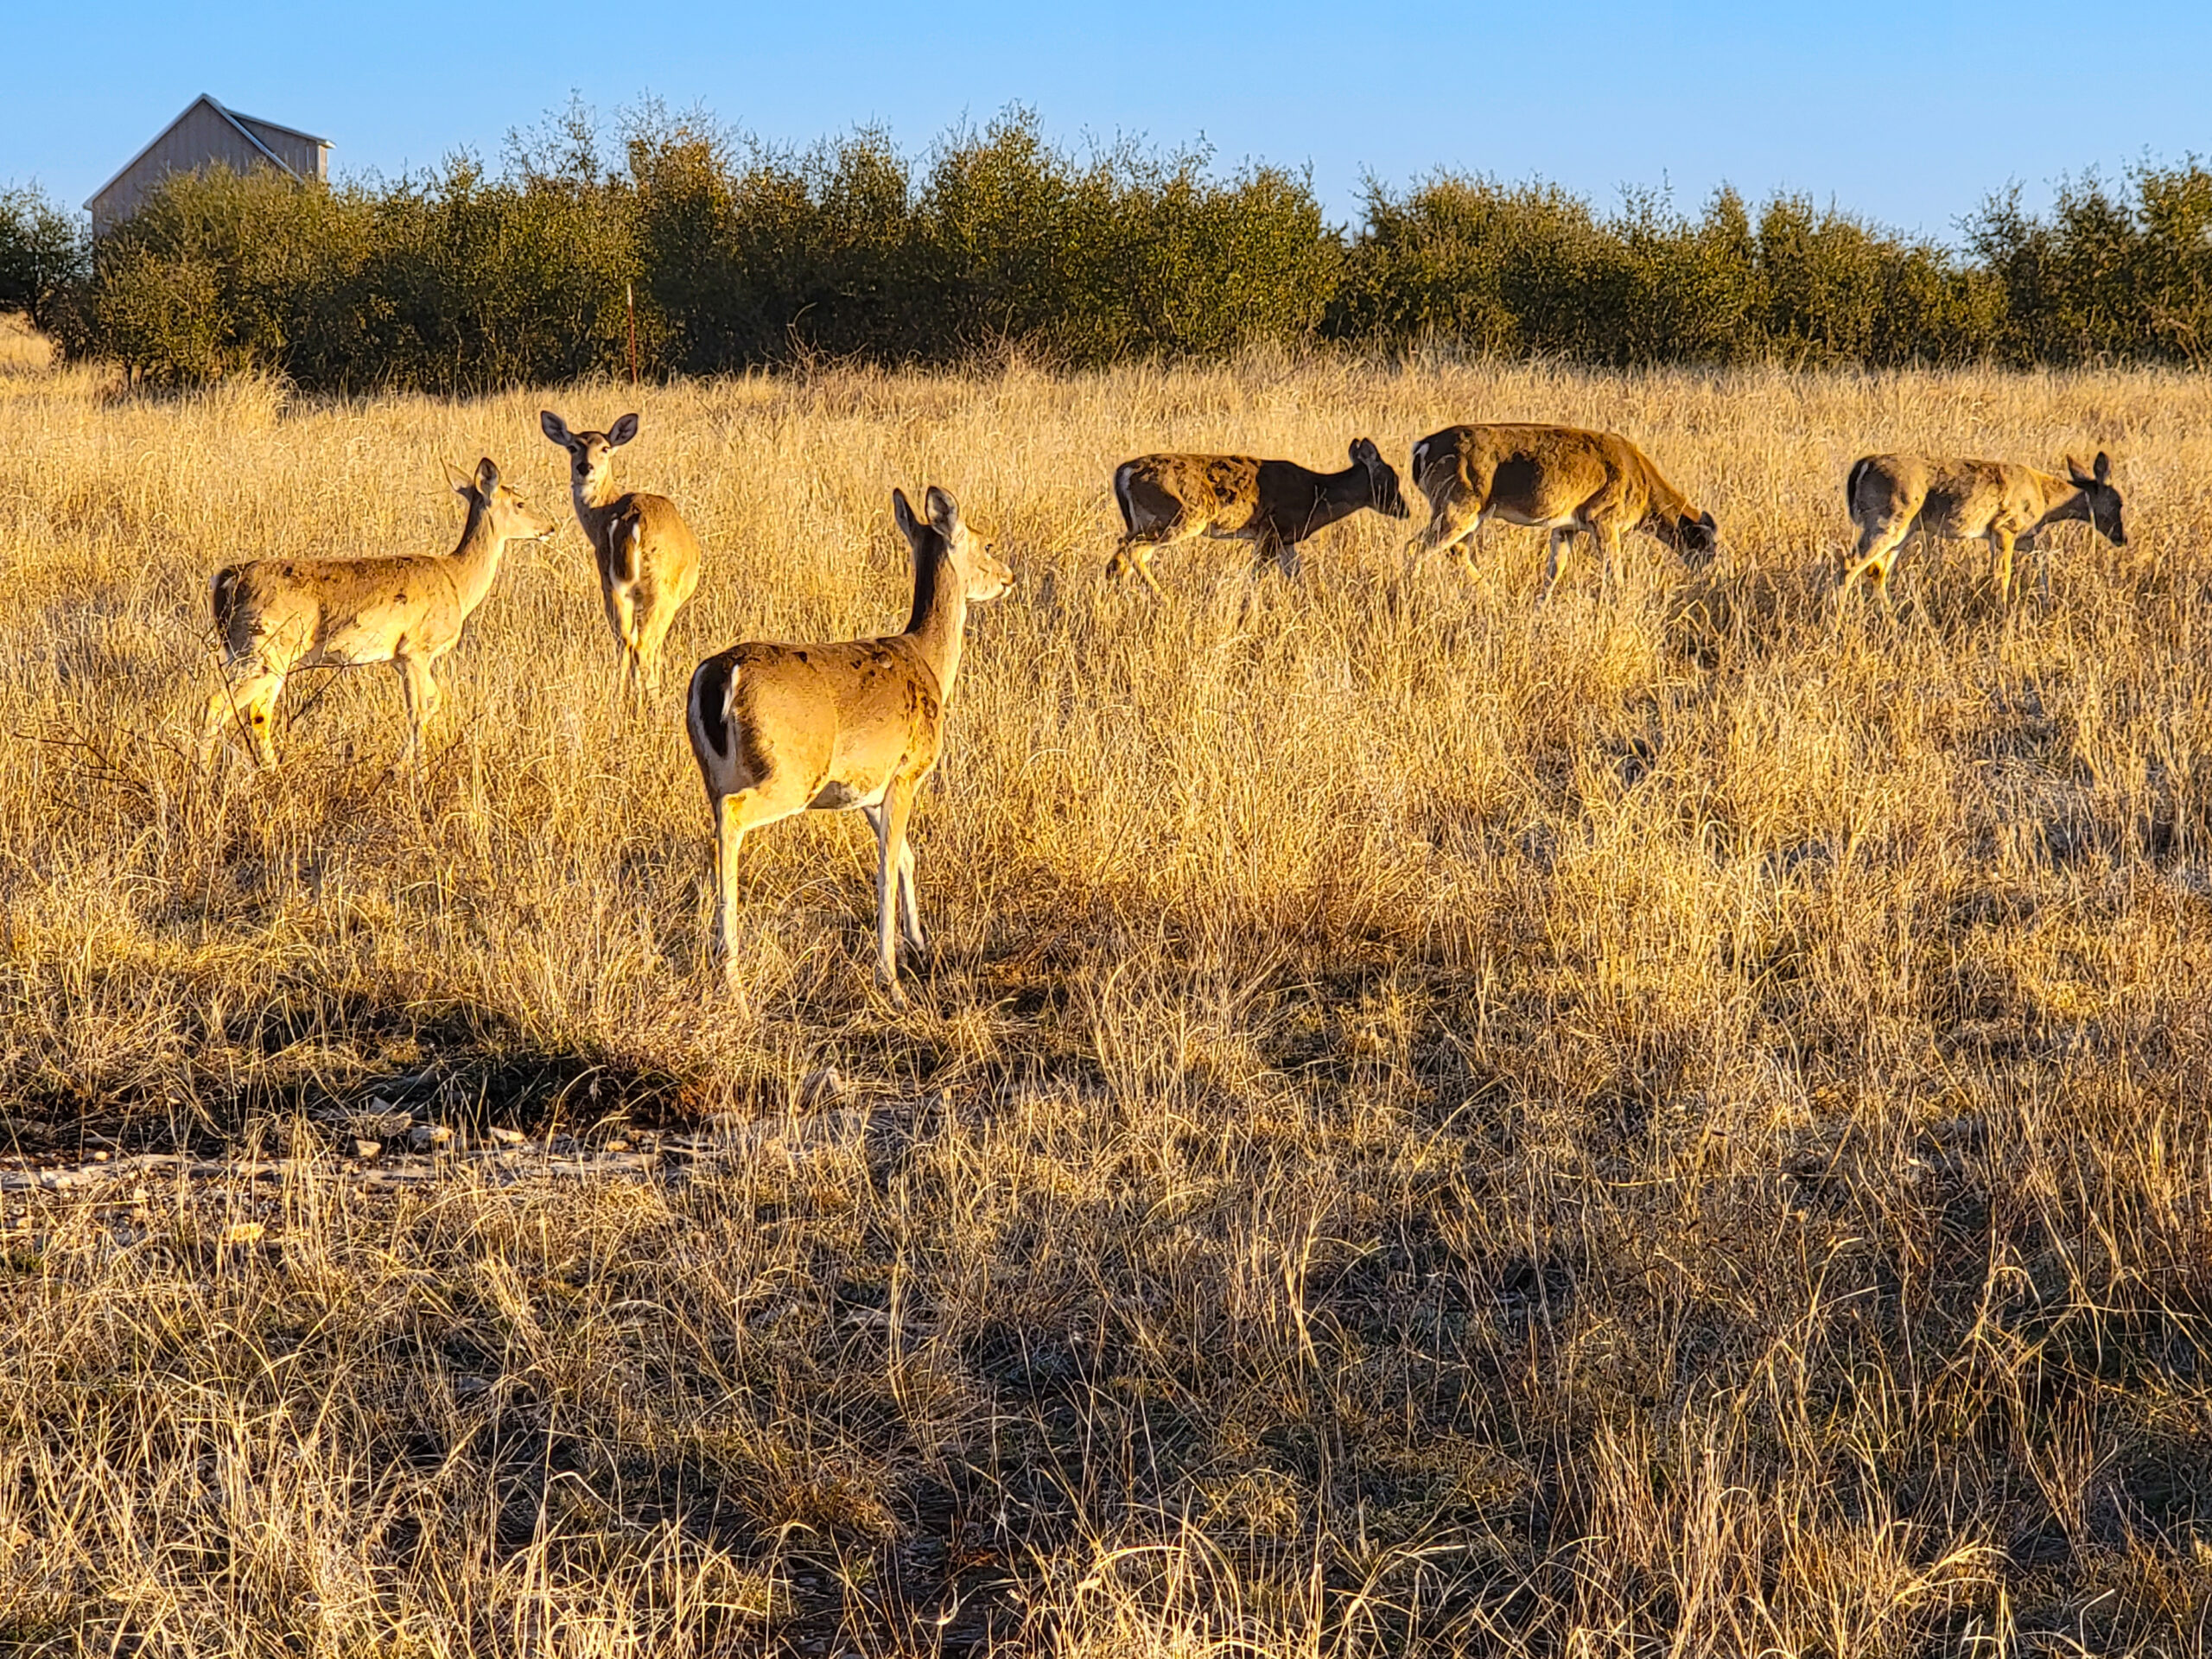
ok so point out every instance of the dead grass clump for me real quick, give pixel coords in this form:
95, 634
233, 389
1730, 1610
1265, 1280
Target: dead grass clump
1676, 1123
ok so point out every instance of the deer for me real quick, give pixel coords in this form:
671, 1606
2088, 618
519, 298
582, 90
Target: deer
276, 615
2000, 502
1272, 504
1561, 479
780, 729
648, 558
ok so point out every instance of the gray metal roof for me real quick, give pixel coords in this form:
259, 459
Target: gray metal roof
233, 119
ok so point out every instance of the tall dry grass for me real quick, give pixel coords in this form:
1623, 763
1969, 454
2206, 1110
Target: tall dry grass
1674, 1124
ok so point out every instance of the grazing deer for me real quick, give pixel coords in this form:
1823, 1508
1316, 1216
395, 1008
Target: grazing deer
781, 729
2005, 504
1559, 479
276, 615
647, 556
1274, 505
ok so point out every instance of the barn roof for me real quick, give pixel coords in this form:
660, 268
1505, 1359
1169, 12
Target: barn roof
235, 119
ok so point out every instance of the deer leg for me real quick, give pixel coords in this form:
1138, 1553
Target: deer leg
729, 837
910, 914
1460, 542
222, 709
652, 626
890, 841
251, 701
1559, 542
261, 718
246, 698
1134, 552
622, 617
1442, 530
419, 687
1889, 565
652, 635
1864, 560
1875, 555
220, 712
2001, 542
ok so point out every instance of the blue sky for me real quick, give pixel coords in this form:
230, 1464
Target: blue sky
1911, 113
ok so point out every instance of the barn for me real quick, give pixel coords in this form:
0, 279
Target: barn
208, 135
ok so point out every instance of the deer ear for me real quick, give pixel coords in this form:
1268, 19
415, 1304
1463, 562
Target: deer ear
554, 426
944, 511
487, 477
622, 431
1365, 452
2102, 472
909, 526
463, 485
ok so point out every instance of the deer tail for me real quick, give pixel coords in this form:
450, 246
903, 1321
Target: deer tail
706, 710
1122, 473
223, 594
629, 543
1850, 484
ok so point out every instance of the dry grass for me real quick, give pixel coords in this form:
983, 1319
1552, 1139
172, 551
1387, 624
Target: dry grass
1673, 1125
23, 350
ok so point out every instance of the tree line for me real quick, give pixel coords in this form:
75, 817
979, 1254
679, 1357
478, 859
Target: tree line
703, 253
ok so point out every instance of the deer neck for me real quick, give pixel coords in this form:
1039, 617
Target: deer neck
2062, 498
940, 615
1338, 495
1663, 503
596, 498
476, 557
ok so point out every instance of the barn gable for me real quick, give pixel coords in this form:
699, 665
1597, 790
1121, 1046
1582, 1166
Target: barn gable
207, 135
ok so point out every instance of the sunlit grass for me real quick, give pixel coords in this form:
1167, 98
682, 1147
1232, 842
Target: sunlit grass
1672, 1123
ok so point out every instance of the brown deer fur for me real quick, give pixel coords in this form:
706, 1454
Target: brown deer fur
1998, 501
1274, 505
780, 729
647, 556
1559, 479
276, 615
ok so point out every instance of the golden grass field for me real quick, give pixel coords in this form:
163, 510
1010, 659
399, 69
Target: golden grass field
1676, 1123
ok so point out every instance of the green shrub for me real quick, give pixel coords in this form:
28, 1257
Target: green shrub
41, 254
739, 255
2112, 276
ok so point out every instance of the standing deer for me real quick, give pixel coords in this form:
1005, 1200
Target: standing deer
276, 615
1559, 479
2000, 502
781, 729
647, 556
1274, 505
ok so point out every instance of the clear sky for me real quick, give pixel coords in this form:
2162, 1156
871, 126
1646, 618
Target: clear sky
1909, 112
